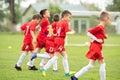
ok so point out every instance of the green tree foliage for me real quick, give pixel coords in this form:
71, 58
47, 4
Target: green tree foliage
53, 8
18, 14
115, 6
2, 15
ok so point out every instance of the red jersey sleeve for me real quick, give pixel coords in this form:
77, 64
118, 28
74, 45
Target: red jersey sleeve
33, 26
94, 30
23, 27
44, 22
66, 27
54, 25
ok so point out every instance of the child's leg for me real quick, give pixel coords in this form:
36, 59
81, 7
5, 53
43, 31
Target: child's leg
55, 66
21, 58
51, 61
85, 69
45, 55
30, 63
102, 70
65, 62
43, 62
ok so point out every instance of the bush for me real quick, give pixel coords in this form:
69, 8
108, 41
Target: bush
4, 29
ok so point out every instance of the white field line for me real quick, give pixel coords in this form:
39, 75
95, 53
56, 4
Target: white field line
88, 45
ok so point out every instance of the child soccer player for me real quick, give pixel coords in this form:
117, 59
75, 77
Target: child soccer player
50, 41
41, 38
29, 30
97, 34
62, 29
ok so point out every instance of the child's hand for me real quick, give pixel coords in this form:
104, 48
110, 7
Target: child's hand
34, 40
99, 40
106, 36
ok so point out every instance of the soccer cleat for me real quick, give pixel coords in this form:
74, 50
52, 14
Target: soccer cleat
32, 68
18, 68
43, 71
73, 78
34, 56
72, 72
67, 74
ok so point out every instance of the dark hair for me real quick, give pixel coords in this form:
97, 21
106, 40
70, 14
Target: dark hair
42, 12
56, 17
65, 13
36, 16
104, 15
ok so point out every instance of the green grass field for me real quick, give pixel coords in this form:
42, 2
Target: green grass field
8, 58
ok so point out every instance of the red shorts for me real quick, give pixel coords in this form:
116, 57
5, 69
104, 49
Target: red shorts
40, 43
27, 46
50, 46
59, 44
95, 52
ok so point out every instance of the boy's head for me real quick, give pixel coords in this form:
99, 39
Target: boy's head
56, 17
105, 17
45, 13
36, 17
66, 15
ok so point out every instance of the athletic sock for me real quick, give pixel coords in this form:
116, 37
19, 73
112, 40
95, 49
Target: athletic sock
83, 70
65, 64
45, 55
50, 62
29, 62
21, 58
55, 65
43, 61
102, 72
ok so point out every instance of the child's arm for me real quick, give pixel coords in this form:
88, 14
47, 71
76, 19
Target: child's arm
94, 38
106, 36
33, 35
71, 32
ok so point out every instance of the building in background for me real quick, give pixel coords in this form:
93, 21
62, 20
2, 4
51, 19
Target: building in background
79, 22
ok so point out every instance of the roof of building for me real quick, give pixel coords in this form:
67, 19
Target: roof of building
72, 8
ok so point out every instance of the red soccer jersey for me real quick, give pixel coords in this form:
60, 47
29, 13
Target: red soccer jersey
31, 26
43, 24
98, 31
54, 24
23, 27
62, 28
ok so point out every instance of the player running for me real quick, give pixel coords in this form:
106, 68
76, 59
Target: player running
97, 34
29, 33
62, 28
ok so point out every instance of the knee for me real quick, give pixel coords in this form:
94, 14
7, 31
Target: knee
90, 66
65, 57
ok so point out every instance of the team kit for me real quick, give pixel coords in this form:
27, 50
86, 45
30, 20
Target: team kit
51, 37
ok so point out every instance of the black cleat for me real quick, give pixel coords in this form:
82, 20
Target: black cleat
32, 68
18, 68
74, 78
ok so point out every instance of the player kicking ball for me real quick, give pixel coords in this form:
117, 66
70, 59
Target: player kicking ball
29, 33
97, 34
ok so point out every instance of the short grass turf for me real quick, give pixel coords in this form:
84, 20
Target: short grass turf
76, 54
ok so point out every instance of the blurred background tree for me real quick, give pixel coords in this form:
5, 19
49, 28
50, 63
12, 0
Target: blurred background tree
11, 12
115, 6
54, 8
